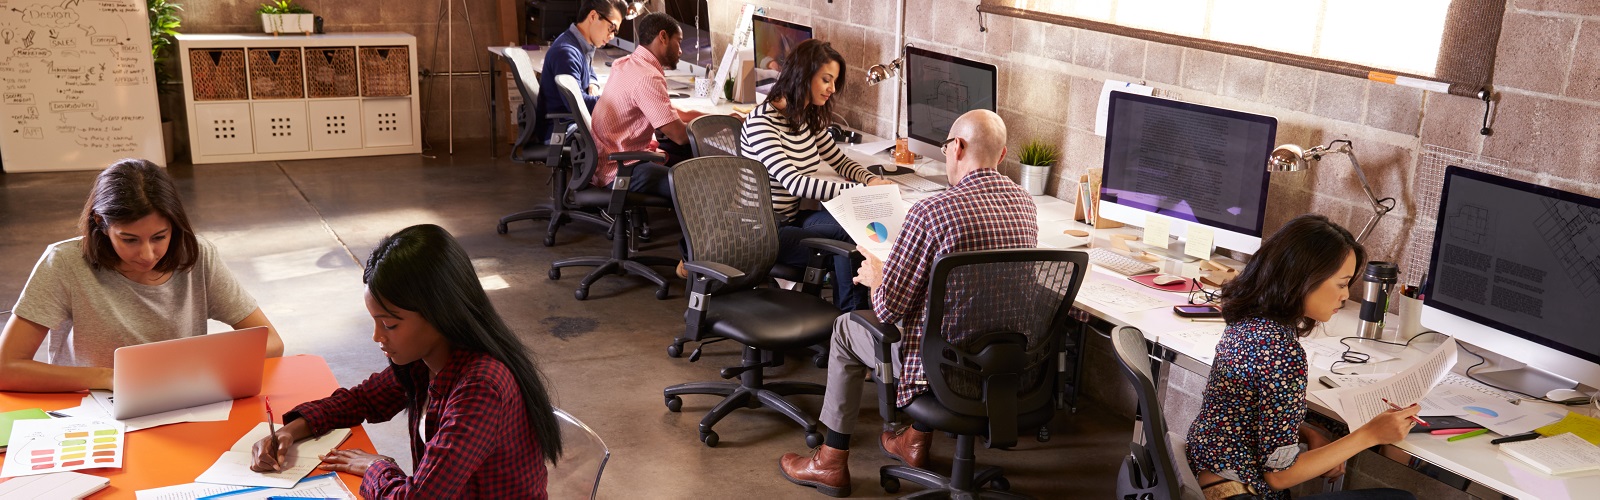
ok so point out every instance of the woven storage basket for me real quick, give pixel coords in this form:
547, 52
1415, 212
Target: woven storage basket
276, 73
385, 71
331, 72
217, 74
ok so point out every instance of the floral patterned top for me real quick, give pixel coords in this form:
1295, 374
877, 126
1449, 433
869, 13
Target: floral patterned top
1254, 404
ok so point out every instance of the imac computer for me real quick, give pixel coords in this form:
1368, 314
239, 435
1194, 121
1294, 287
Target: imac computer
939, 89
773, 41
1188, 164
1515, 270
696, 26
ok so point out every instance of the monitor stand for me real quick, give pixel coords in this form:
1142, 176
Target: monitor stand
1526, 379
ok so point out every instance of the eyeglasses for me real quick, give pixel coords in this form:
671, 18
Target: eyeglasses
1199, 295
613, 26
947, 142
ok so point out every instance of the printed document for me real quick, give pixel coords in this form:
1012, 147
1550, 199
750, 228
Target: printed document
871, 215
1357, 405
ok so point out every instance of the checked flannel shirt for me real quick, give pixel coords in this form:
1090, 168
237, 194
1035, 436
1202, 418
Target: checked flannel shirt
480, 444
984, 211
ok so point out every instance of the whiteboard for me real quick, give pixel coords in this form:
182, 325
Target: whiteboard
79, 85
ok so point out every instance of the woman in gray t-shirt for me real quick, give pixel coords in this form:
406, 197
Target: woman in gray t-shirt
138, 274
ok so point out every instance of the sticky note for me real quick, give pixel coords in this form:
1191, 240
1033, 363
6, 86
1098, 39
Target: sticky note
1156, 230
1200, 240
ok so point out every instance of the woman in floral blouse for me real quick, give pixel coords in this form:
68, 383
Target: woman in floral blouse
1251, 440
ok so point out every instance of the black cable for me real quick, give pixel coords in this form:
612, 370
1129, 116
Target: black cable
1482, 360
1354, 357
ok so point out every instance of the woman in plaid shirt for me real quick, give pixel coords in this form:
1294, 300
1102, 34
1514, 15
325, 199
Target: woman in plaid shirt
477, 405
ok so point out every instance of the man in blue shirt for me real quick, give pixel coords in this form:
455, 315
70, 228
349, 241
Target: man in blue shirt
572, 53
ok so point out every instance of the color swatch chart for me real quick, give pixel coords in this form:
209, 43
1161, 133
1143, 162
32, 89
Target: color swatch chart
63, 444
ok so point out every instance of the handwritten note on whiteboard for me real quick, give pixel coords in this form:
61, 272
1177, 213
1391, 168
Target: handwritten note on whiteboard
78, 85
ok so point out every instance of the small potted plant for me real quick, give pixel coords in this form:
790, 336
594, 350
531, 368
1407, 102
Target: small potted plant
1036, 156
285, 16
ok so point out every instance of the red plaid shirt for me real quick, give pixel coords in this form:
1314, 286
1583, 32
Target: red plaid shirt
984, 211
480, 444
634, 105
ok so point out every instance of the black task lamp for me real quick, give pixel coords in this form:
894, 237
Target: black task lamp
1291, 158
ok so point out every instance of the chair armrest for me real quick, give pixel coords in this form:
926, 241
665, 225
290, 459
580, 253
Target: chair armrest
835, 247
884, 333
637, 156
714, 270
887, 335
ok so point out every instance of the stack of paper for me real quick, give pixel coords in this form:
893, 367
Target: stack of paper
1357, 405
233, 467
1562, 454
871, 215
98, 404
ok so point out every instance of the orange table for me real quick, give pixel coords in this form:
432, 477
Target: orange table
176, 454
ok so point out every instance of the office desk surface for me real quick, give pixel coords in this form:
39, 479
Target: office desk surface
176, 454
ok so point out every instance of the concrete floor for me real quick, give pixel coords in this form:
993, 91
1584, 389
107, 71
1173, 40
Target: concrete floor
294, 232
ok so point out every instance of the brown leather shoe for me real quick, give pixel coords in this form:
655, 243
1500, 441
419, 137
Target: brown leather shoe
827, 470
682, 273
909, 446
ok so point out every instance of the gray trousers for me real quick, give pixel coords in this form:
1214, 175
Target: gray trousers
854, 351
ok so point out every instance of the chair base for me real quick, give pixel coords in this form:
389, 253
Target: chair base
963, 481
557, 216
749, 392
638, 265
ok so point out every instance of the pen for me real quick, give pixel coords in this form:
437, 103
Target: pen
1519, 437
1413, 417
1459, 437
272, 430
1451, 432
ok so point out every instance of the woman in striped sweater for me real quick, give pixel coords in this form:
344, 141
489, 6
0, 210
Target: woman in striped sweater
787, 134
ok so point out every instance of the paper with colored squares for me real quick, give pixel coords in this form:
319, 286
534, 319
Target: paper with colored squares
63, 444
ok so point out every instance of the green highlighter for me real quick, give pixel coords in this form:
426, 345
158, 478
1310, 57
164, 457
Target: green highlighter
11, 416
1465, 435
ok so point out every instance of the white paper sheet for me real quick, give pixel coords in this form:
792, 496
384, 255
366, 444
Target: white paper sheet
1104, 109
1118, 298
872, 148
1053, 209
1357, 405
233, 467
872, 215
1321, 352
63, 444
98, 404
1496, 414
1202, 341
189, 491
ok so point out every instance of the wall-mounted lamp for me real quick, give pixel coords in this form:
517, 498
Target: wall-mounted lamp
1291, 158
880, 72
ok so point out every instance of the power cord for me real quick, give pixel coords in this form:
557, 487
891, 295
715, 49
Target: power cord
1354, 357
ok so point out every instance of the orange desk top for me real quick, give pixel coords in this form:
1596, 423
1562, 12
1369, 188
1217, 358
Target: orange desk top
176, 454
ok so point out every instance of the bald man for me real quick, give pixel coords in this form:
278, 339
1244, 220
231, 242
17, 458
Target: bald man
982, 210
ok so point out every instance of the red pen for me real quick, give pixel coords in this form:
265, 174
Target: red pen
1397, 407
272, 430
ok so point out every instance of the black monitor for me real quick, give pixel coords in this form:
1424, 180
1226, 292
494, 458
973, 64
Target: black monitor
773, 41
1515, 269
1187, 163
939, 89
695, 21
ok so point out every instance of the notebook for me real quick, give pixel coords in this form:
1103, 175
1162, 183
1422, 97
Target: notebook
1561, 454
7, 418
71, 485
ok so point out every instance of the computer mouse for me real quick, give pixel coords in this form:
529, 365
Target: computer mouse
1564, 394
1167, 279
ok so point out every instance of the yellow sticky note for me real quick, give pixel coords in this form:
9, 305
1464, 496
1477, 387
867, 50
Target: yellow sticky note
1156, 229
1199, 240
1579, 425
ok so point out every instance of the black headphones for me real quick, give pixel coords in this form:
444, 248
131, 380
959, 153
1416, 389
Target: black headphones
841, 135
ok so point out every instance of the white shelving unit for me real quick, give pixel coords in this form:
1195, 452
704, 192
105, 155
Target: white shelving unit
324, 111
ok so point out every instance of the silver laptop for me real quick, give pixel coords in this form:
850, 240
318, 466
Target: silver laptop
182, 373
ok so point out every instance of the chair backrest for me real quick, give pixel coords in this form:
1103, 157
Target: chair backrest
583, 460
522, 72
1151, 469
994, 317
715, 135
583, 153
724, 206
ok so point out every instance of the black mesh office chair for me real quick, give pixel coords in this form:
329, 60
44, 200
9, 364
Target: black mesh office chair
531, 148
715, 135
615, 199
994, 325
1151, 469
725, 209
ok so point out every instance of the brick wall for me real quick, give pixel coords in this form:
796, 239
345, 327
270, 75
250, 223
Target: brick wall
1050, 77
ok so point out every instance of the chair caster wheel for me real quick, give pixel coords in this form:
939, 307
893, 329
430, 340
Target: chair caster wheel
1044, 434
813, 439
549, 241
889, 484
674, 404
555, 273
661, 293
581, 293
500, 229
674, 350
709, 438
1000, 484
819, 360
644, 233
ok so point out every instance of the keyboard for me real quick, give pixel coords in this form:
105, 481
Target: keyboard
917, 182
1119, 263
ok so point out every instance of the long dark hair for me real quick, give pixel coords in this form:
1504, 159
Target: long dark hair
423, 269
1290, 264
794, 84
127, 191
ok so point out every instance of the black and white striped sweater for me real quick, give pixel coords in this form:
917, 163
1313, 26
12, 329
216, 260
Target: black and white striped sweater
793, 157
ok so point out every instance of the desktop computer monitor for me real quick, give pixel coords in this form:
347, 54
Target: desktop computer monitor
939, 89
773, 41
1188, 164
695, 23
1515, 269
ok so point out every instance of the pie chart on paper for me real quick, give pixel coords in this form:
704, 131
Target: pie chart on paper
878, 232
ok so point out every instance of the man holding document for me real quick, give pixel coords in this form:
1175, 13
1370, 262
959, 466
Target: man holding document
982, 210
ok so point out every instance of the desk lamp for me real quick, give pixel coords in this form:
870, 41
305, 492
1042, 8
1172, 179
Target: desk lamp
635, 9
1291, 158
880, 72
